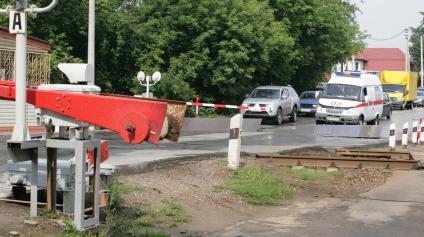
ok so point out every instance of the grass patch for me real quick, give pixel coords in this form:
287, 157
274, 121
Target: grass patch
259, 186
169, 214
310, 175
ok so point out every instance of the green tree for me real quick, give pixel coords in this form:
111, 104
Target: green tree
416, 44
219, 49
325, 33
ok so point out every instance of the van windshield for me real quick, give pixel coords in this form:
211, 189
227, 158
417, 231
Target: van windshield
393, 88
342, 91
265, 93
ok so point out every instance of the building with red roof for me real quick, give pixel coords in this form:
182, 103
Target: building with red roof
380, 59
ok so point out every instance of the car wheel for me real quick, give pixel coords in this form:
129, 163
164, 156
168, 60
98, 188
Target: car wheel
293, 115
389, 115
279, 117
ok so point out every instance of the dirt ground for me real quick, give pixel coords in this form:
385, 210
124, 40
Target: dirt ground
193, 185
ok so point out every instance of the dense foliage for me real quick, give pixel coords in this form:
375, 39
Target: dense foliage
415, 49
218, 49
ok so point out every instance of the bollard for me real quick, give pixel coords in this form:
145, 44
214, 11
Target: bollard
422, 132
405, 134
234, 143
414, 132
419, 131
392, 136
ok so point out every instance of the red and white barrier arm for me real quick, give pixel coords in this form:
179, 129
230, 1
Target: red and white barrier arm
219, 106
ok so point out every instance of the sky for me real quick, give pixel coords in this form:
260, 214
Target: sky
383, 19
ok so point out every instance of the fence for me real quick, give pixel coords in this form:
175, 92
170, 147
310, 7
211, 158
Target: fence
38, 67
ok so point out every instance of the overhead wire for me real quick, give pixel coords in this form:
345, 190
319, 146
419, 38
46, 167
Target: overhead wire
385, 39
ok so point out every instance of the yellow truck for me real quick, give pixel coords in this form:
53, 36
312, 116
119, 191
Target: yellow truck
401, 86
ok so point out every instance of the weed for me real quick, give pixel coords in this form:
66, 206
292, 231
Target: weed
259, 186
310, 175
170, 214
218, 188
176, 212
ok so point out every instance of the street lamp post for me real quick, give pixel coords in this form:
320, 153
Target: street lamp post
422, 67
148, 80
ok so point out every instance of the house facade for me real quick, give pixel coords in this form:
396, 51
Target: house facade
38, 72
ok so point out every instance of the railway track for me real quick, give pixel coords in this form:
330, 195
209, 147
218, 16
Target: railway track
352, 159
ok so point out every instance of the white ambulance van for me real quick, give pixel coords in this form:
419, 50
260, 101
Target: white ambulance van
351, 98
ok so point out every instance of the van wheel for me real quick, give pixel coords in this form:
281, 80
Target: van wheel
293, 115
375, 121
319, 122
361, 120
279, 117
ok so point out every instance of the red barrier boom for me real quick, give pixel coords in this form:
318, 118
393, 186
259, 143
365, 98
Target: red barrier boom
135, 120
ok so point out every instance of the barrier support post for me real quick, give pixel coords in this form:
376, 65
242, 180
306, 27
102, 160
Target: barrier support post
197, 106
234, 145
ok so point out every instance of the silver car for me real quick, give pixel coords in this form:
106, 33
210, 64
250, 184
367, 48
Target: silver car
273, 102
419, 101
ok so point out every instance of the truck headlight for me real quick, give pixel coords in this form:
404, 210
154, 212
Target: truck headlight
314, 106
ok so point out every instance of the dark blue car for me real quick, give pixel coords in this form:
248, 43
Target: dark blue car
309, 101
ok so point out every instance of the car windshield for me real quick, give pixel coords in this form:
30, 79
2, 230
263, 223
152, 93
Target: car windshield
265, 93
309, 95
342, 91
393, 88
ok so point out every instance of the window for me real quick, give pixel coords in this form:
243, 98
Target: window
342, 91
265, 93
285, 93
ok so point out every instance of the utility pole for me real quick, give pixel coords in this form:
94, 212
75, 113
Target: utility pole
422, 67
407, 51
91, 38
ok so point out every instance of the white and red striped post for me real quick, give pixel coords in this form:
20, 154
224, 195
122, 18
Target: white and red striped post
392, 136
405, 134
415, 132
422, 132
419, 131
234, 143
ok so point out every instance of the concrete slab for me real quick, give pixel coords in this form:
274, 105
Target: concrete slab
403, 186
356, 131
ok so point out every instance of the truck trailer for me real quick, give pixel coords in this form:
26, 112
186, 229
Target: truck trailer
401, 86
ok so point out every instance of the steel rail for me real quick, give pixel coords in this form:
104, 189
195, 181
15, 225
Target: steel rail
341, 162
399, 155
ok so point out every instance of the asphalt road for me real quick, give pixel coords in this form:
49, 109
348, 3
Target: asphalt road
270, 138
